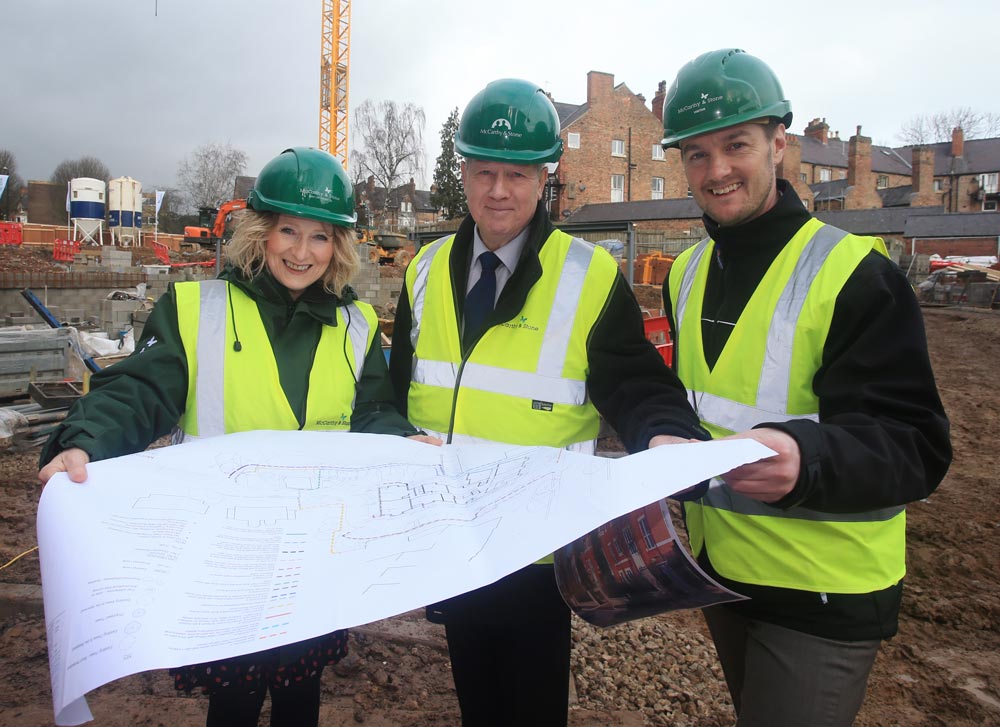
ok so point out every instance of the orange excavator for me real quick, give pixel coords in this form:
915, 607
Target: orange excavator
205, 235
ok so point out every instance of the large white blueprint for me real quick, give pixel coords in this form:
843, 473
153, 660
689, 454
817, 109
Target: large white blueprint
226, 546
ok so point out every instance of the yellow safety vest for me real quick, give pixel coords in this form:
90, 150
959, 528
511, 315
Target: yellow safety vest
230, 391
765, 374
525, 380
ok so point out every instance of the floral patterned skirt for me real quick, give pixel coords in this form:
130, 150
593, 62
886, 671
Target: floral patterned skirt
274, 668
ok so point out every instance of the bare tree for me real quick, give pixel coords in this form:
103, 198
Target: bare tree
392, 143
938, 127
208, 176
87, 166
9, 198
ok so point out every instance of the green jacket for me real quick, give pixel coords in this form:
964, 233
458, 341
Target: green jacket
141, 398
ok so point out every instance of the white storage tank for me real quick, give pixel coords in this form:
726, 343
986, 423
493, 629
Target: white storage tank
87, 208
124, 210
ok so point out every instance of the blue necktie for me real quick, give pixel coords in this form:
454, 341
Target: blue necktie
479, 302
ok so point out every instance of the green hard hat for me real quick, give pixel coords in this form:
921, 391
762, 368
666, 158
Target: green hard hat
510, 121
306, 183
719, 89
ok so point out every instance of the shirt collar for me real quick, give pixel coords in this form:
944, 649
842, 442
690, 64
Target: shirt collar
508, 253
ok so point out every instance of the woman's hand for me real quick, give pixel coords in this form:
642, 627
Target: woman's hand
426, 439
71, 461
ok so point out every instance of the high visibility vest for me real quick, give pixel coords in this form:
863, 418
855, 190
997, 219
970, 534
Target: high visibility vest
238, 391
765, 374
525, 381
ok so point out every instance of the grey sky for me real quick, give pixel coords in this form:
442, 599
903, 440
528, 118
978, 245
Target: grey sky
139, 90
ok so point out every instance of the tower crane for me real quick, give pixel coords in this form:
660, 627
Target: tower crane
335, 52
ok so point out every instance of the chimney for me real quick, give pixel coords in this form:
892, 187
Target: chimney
923, 178
957, 142
791, 169
819, 130
599, 85
658, 98
861, 192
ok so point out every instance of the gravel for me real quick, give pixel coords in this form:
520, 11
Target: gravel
664, 668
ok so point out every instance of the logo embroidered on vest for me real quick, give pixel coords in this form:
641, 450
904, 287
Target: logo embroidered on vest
541, 405
520, 323
344, 421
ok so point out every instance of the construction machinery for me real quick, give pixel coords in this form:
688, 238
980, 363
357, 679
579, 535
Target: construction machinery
387, 248
335, 47
212, 223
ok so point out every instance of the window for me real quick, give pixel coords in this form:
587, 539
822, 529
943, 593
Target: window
824, 175
647, 535
690, 193
629, 541
407, 207
802, 176
617, 148
938, 185
989, 205
617, 187
988, 183
882, 182
573, 140
657, 188
658, 153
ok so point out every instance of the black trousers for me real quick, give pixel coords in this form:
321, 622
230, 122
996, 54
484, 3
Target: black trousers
509, 644
295, 705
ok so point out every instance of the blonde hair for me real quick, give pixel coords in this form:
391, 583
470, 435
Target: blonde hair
246, 250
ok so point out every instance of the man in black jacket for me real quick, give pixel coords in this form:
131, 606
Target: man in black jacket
809, 340
512, 331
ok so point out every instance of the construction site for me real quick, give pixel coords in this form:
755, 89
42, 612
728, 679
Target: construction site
941, 669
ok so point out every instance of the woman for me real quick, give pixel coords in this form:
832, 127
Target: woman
283, 337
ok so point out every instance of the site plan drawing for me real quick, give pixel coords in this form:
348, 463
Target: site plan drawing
226, 546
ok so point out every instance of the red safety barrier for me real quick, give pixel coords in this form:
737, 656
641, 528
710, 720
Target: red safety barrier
658, 332
65, 250
162, 252
10, 233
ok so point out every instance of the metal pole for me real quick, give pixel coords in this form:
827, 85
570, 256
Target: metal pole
631, 253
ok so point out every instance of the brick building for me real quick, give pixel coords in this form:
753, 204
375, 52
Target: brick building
965, 173
960, 175
404, 209
611, 150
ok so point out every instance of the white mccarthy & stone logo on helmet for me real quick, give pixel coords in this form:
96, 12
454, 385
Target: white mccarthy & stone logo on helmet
700, 105
501, 127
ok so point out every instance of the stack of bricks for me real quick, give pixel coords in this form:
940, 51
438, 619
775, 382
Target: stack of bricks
116, 315
115, 260
20, 318
367, 283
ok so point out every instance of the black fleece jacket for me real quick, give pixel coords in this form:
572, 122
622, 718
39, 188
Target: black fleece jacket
882, 438
628, 382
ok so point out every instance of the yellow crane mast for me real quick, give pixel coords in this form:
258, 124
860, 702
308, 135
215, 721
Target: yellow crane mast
335, 53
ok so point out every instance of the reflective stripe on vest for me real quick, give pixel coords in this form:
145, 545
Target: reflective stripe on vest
750, 541
228, 390
525, 380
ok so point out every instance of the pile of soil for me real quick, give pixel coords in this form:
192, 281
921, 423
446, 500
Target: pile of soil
29, 259
942, 668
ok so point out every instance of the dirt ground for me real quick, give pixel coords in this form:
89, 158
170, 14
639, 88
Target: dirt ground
943, 669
